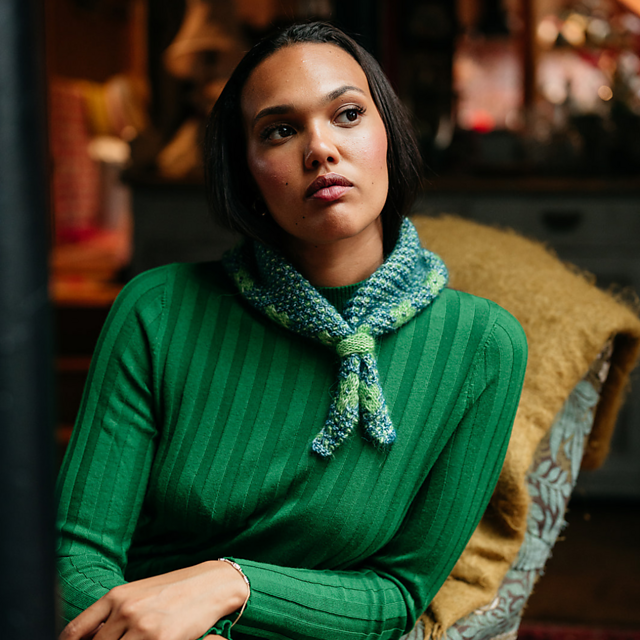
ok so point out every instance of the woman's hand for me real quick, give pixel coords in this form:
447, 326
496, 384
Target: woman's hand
178, 605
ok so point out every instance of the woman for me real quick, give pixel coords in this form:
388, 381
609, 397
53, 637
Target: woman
319, 411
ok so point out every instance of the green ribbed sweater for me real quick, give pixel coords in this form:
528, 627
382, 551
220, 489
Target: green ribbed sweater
193, 442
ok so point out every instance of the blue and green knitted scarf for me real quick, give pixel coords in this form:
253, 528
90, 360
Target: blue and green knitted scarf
407, 282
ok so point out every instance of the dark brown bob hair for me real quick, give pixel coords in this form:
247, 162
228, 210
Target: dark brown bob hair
231, 190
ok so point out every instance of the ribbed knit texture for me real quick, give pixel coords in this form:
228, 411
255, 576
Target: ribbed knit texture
339, 296
408, 281
192, 443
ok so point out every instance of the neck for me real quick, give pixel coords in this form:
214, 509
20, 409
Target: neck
342, 262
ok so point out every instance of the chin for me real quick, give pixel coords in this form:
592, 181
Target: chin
340, 229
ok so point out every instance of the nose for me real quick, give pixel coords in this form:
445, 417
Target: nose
321, 149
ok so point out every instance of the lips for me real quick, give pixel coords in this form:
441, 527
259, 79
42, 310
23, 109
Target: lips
330, 186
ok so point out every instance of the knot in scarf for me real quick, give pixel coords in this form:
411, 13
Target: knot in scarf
407, 282
359, 343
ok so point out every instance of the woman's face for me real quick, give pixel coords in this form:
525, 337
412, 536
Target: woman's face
316, 144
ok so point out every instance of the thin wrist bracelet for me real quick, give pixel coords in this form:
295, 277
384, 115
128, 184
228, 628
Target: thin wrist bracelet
238, 568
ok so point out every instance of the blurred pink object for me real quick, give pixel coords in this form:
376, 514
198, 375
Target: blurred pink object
75, 176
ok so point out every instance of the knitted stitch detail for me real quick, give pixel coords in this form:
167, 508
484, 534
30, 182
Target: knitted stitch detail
407, 282
358, 343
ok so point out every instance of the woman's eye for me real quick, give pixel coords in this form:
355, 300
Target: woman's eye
278, 132
349, 115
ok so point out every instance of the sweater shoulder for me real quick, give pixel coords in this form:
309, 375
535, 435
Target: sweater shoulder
487, 313
149, 297
162, 282
481, 324
207, 274
502, 348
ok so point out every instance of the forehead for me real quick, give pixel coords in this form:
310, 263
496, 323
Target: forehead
299, 72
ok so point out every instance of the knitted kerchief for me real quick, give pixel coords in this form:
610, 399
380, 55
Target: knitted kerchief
406, 283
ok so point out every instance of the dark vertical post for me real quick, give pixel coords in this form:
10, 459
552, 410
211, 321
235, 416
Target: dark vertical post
26, 434
528, 58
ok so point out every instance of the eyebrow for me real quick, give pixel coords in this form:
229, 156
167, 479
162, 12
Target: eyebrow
281, 109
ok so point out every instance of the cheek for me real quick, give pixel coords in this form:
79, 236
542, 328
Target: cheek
371, 151
271, 174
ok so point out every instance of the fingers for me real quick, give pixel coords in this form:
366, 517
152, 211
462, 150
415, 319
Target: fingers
88, 622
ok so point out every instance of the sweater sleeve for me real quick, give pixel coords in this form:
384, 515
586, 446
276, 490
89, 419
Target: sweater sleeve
104, 475
105, 472
384, 597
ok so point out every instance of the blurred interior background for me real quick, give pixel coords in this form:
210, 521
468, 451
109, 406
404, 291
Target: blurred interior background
528, 114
